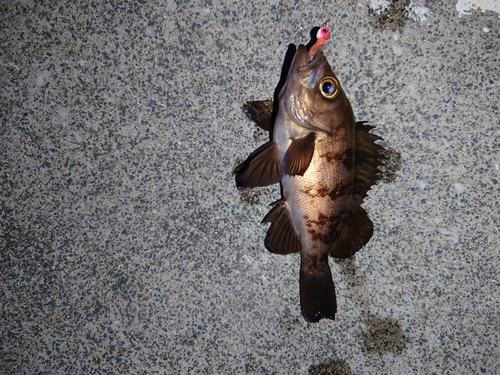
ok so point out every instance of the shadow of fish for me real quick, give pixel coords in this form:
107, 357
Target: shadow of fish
326, 162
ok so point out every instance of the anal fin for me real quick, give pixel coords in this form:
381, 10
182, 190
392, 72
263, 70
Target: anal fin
356, 232
299, 155
281, 236
261, 168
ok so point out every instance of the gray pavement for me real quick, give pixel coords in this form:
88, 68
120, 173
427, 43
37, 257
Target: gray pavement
126, 247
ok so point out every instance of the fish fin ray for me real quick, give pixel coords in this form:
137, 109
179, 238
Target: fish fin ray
260, 112
358, 228
299, 155
356, 232
317, 292
281, 236
261, 168
368, 160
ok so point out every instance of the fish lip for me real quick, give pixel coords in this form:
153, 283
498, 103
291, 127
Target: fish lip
304, 62
317, 60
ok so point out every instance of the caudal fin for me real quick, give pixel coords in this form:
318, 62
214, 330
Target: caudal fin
317, 292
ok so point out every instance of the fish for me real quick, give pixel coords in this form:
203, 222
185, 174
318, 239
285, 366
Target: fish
325, 161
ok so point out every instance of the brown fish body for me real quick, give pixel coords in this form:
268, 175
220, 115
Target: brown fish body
326, 163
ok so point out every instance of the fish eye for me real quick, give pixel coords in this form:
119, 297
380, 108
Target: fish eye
329, 87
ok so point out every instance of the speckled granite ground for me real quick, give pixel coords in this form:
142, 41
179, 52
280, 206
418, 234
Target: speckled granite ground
126, 248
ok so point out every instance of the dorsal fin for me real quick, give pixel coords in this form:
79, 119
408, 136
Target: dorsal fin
356, 232
261, 168
260, 112
281, 236
367, 161
358, 227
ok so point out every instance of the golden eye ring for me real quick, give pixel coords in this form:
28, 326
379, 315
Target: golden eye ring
329, 87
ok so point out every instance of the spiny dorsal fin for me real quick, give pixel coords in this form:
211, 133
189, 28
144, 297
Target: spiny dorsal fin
281, 236
367, 161
260, 112
358, 227
299, 155
261, 168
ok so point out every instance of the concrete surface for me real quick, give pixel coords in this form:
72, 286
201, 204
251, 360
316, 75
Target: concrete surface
127, 249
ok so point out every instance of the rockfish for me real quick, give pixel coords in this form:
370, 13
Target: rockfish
326, 163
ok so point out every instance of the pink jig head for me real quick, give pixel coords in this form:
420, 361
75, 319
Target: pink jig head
323, 32
322, 35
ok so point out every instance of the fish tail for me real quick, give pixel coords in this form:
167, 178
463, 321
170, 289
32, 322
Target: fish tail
317, 292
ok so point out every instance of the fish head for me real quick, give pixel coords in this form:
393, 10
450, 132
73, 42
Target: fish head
312, 94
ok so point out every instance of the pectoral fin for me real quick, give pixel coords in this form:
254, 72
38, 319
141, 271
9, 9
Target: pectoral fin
261, 168
260, 112
299, 155
281, 236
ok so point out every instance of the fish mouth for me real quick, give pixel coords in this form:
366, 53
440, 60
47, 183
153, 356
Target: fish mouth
305, 61
304, 73
312, 65
306, 67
